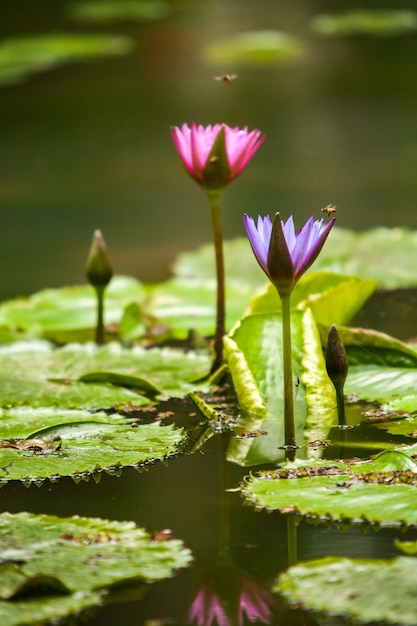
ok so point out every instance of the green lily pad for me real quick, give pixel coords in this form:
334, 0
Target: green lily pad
376, 23
256, 47
49, 443
394, 388
22, 56
122, 10
70, 313
76, 558
386, 255
47, 609
378, 491
254, 355
333, 298
39, 375
357, 589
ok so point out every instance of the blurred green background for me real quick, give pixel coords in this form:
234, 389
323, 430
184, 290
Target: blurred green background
84, 124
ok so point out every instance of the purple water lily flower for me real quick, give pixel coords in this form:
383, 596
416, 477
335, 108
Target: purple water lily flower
283, 254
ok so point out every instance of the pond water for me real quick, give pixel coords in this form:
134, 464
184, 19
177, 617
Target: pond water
87, 146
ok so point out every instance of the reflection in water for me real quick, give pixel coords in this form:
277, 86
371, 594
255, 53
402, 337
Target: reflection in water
227, 596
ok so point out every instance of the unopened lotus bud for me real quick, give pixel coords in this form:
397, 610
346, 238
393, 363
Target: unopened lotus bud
336, 359
98, 270
337, 369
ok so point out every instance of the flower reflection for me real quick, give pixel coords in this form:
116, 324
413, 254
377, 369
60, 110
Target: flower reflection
226, 600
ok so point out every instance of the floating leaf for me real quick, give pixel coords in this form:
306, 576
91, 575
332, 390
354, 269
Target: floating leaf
257, 47
70, 313
363, 590
254, 354
47, 609
333, 298
36, 374
76, 558
49, 443
382, 490
386, 255
122, 10
377, 23
395, 388
22, 56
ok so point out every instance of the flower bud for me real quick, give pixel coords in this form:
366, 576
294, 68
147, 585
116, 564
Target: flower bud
98, 269
336, 359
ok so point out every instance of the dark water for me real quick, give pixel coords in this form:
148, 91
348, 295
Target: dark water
88, 146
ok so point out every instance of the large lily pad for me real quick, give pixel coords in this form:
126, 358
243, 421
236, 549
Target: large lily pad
254, 354
122, 10
333, 298
376, 23
70, 313
87, 376
73, 560
386, 255
22, 56
363, 590
378, 491
48, 443
256, 47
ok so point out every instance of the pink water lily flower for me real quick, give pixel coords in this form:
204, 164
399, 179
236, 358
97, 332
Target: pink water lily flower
283, 254
215, 155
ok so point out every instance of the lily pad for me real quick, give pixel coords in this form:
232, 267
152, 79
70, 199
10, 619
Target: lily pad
48, 609
378, 491
122, 10
376, 23
357, 589
386, 255
70, 313
39, 375
254, 354
48, 443
76, 558
255, 47
22, 56
333, 298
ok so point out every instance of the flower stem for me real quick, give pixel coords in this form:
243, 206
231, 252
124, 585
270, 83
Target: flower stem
290, 444
216, 220
100, 316
340, 398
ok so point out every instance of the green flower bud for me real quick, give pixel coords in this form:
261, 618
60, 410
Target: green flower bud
99, 272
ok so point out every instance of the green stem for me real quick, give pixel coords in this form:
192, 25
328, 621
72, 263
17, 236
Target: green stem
340, 398
214, 200
290, 444
292, 539
100, 316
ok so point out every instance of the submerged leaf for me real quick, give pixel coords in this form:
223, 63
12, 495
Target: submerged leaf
363, 590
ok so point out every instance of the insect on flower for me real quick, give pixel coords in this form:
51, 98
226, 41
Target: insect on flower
226, 78
329, 209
